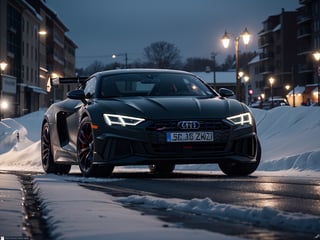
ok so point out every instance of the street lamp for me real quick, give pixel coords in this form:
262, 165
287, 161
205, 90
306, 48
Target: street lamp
316, 56
247, 99
125, 57
42, 32
225, 41
271, 81
213, 56
3, 66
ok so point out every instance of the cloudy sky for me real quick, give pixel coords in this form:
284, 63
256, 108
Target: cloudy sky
103, 27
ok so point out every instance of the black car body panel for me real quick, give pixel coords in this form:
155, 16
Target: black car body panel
164, 119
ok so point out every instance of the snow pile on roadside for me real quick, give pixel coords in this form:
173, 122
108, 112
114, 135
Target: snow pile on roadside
263, 217
9, 128
289, 138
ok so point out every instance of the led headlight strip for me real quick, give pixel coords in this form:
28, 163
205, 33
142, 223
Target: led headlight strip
114, 119
241, 119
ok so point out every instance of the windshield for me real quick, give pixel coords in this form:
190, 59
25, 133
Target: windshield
153, 84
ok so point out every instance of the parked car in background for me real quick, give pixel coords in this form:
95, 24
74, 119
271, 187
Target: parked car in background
278, 101
270, 103
149, 117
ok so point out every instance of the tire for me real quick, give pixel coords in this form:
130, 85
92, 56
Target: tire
85, 151
63, 169
241, 169
48, 164
162, 169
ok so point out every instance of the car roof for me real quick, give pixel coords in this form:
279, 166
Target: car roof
138, 70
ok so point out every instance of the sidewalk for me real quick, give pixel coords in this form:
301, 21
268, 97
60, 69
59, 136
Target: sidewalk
11, 209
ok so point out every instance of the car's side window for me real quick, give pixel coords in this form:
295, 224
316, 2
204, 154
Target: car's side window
90, 87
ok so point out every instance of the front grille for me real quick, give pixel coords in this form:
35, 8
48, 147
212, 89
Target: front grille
172, 125
156, 133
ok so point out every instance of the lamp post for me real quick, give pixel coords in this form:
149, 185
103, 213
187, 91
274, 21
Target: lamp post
316, 56
271, 81
247, 99
125, 57
213, 56
3, 66
225, 41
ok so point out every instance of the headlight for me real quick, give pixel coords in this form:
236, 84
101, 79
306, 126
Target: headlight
241, 119
112, 119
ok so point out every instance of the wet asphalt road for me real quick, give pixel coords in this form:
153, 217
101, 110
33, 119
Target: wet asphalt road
287, 194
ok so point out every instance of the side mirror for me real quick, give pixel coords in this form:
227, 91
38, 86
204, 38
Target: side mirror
224, 92
77, 95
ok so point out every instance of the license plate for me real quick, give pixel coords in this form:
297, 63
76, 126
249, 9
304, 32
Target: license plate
189, 136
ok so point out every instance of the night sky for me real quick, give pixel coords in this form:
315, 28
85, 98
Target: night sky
101, 28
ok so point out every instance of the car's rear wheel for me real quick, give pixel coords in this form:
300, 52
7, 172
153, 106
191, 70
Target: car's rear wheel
241, 169
48, 164
85, 150
162, 169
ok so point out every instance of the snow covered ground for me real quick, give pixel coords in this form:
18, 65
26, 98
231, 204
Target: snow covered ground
290, 146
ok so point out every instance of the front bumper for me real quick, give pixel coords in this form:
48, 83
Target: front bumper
122, 147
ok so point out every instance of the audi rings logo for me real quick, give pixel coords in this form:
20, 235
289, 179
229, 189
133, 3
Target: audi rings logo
188, 125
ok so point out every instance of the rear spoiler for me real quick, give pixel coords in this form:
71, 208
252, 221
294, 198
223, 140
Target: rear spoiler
67, 80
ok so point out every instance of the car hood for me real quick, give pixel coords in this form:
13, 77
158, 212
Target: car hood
171, 107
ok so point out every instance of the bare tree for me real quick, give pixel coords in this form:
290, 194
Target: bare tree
96, 66
163, 55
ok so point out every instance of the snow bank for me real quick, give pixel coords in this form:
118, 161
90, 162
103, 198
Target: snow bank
289, 138
263, 217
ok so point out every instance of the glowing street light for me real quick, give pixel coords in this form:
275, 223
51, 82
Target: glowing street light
271, 81
42, 32
125, 57
226, 41
3, 66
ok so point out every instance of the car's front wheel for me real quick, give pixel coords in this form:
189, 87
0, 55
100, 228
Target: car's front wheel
85, 150
241, 169
48, 164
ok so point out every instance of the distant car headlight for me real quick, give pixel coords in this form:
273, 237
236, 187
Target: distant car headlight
113, 119
241, 119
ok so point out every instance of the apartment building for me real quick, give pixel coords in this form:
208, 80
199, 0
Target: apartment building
308, 35
278, 44
34, 45
287, 42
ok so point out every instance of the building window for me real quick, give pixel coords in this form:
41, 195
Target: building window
22, 50
27, 28
27, 74
22, 71
22, 25
27, 50
31, 77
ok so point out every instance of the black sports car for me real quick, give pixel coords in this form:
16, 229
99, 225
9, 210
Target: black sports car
149, 117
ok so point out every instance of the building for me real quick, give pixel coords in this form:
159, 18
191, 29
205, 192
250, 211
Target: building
308, 35
278, 45
256, 82
287, 43
34, 44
